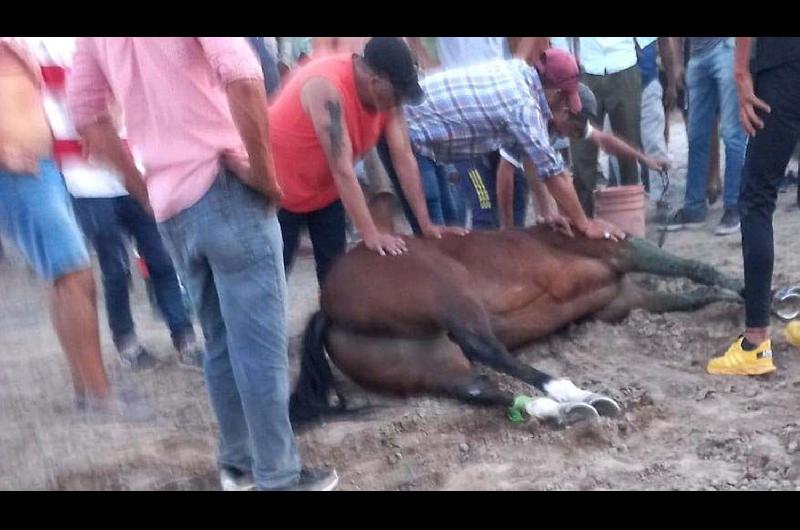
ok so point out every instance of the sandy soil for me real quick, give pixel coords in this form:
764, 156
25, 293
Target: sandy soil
680, 428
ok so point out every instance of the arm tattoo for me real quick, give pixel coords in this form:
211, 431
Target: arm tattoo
335, 128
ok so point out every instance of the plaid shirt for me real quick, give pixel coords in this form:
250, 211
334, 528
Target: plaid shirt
476, 110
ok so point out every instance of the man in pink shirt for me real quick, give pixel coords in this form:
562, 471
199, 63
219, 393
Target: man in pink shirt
196, 112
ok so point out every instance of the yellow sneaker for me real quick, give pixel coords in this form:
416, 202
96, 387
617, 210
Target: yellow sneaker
793, 333
738, 361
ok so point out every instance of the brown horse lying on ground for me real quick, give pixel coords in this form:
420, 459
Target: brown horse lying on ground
415, 324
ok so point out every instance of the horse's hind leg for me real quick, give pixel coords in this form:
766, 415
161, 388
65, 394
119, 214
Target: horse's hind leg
472, 332
480, 390
632, 296
643, 256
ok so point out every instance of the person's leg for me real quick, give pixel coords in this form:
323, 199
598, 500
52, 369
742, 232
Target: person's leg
768, 152
652, 128
234, 243
36, 211
327, 230
450, 216
731, 129
429, 173
291, 224
162, 272
245, 256
461, 200
383, 153
102, 226
521, 189
181, 238
584, 152
703, 104
482, 177
765, 160
470, 199
380, 193
714, 182
624, 111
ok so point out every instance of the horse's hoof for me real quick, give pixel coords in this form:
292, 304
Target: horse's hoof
605, 406
571, 413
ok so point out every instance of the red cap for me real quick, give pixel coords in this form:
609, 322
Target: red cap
559, 70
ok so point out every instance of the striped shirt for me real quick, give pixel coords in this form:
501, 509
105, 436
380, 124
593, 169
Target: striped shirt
476, 110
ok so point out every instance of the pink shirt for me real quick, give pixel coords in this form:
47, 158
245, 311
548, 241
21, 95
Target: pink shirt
172, 92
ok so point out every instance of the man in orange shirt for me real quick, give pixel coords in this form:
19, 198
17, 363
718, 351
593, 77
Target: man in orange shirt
331, 112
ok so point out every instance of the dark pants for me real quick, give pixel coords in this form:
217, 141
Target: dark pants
479, 188
103, 221
477, 191
620, 96
435, 185
327, 229
765, 162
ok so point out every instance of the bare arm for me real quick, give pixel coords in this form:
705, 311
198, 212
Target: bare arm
248, 103
611, 144
238, 70
323, 104
744, 82
88, 94
101, 140
561, 189
666, 49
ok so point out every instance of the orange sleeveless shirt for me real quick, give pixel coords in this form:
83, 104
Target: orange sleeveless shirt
302, 168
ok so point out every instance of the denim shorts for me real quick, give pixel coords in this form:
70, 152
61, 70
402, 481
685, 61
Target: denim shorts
36, 212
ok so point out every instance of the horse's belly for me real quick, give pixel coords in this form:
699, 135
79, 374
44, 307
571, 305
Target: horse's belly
547, 315
398, 366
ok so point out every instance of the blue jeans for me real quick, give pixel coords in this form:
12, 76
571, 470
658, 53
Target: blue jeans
435, 185
104, 221
709, 78
36, 212
229, 250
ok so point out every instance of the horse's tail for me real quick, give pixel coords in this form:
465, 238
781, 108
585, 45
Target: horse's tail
310, 397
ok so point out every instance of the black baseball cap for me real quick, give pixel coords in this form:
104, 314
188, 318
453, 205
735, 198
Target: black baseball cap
391, 58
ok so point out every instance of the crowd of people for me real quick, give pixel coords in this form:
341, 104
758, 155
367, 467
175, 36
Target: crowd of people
212, 155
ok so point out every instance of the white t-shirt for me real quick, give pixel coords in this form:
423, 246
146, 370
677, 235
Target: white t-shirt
455, 52
604, 55
84, 178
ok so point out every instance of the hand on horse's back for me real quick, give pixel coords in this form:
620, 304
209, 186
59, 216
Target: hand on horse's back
386, 243
599, 229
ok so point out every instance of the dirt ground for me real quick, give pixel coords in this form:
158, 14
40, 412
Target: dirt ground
680, 428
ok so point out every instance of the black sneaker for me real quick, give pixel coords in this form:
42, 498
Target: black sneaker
681, 221
235, 480
322, 479
190, 354
730, 223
